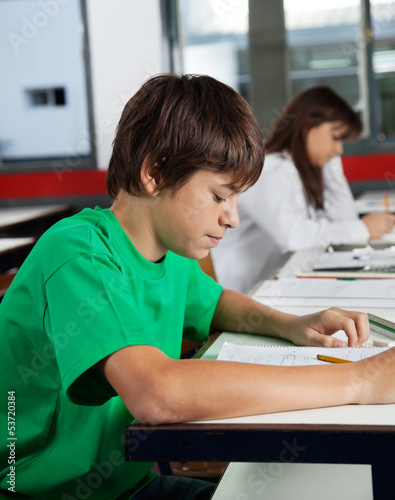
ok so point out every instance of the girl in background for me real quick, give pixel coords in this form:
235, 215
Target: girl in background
302, 198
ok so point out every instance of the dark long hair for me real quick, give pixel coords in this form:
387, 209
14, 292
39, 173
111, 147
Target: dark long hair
308, 109
183, 123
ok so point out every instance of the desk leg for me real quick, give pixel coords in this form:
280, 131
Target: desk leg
383, 481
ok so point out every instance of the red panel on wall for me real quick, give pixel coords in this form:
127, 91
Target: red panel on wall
50, 184
370, 167
93, 182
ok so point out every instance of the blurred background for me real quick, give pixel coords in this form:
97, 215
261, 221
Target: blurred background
69, 67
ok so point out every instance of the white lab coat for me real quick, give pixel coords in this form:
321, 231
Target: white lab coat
275, 218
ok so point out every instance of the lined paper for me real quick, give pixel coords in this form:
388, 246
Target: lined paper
292, 355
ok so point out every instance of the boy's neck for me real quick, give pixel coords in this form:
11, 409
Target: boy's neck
134, 216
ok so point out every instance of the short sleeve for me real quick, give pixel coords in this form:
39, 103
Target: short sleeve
90, 314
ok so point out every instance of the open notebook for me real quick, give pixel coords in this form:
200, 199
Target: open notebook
292, 355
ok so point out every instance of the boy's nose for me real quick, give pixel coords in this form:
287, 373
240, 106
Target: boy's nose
230, 218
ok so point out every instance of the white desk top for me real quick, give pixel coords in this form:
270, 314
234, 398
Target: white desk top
7, 244
10, 216
304, 260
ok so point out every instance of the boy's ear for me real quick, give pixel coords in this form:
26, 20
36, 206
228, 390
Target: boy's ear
150, 176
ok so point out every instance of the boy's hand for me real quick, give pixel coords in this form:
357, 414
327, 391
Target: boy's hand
316, 329
239, 313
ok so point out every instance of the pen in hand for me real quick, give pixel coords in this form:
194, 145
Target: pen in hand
331, 359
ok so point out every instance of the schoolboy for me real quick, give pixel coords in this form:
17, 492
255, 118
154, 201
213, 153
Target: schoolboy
91, 327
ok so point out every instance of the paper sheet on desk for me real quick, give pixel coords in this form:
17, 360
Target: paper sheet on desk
292, 355
327, 293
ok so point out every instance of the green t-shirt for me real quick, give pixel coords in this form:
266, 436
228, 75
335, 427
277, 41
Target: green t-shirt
83, 293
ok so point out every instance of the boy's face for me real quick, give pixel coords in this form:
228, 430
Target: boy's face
195, 218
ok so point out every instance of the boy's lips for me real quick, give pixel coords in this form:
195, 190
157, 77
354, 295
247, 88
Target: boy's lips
214, 239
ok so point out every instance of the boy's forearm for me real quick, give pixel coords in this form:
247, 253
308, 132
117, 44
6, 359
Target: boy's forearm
226, 389
237, 312
186, 390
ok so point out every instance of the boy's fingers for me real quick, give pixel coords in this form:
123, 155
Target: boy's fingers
358, 328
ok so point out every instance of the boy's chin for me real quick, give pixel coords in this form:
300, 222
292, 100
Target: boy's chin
199, 254
193, 254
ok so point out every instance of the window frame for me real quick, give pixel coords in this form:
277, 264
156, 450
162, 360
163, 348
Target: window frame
367, 144
64, 163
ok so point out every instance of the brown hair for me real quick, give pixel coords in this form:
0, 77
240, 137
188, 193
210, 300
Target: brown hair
181, 124
309, 109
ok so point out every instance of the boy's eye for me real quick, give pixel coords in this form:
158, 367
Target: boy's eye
218, 198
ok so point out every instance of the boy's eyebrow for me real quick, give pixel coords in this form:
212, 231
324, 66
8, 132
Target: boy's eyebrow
232, 187
237, 190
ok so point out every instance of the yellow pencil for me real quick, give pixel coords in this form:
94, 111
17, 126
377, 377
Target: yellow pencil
331, 359
386, 202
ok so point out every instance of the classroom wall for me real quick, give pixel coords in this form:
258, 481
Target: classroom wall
125, 49
43, 99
